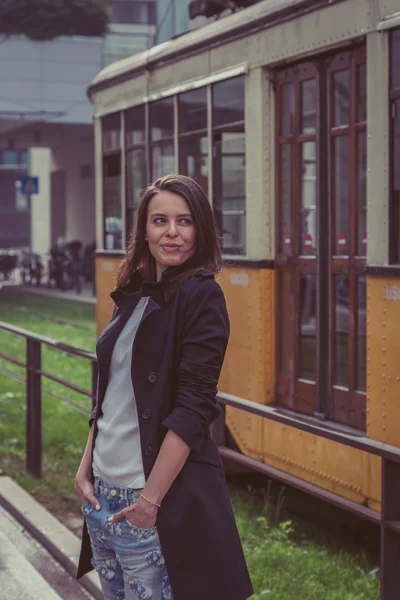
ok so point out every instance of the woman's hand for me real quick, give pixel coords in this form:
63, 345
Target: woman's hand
85, 492
142, 514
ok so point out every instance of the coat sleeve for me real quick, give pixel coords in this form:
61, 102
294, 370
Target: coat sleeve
204, 340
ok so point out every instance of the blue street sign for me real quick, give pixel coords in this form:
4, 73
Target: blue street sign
29, 185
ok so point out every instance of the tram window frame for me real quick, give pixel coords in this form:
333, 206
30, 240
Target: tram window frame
111, 131
394, 115
135, 145
194, 131
321, 396
162, 141
223, 125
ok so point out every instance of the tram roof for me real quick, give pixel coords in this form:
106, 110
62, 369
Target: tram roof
258, 16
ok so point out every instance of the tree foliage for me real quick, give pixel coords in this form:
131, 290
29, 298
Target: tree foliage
42, 20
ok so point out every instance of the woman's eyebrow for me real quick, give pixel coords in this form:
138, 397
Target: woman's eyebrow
166, 216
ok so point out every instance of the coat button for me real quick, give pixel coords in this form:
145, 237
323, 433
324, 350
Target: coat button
148, 450
152, 377
146, 414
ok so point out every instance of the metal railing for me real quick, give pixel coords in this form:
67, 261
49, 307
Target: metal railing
33, 380
388, 518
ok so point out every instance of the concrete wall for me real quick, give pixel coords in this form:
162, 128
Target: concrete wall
39, 166
80, 195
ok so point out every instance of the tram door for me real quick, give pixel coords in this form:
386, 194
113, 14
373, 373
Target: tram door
321, 237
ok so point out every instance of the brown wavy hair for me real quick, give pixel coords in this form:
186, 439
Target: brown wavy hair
207, 254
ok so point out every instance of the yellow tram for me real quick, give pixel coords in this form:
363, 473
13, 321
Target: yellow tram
288, 114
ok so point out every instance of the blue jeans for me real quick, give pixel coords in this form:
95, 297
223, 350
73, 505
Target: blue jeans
128, 559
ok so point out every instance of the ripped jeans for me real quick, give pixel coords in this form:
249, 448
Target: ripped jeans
128, 559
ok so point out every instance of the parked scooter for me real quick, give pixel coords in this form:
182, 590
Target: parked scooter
31, 268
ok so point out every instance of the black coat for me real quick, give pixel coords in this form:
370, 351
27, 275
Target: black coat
176, 361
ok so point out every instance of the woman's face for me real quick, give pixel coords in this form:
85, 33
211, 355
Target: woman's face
170, 231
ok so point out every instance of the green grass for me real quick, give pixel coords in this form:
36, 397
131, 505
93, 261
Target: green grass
17, 309
285, 564
64, 434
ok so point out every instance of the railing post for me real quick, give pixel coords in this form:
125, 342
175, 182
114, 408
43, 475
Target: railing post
95, 374
34, 408
390, 524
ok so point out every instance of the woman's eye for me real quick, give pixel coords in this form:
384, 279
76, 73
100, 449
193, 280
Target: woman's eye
186, 221
159, 220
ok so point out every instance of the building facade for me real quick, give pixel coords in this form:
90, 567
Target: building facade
46, 127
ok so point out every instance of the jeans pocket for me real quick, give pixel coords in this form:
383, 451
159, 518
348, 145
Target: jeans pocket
141, 534
140, 528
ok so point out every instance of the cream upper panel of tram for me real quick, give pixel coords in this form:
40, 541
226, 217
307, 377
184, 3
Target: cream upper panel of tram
366, 13
162, 83
329, 27
202, 36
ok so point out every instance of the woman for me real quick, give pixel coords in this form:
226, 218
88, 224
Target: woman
158, 519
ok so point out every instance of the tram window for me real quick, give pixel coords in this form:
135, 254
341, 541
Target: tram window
229, 169
308, 106
162, 119
111, 132
162, 131
193, 111
112, 201
135, 126
229, 186
193, 138
162, 160
136, 164
136, 182
286, 191
341, 84
193, 159
228, 101
341, 193
395, 147
308, 217
287, 114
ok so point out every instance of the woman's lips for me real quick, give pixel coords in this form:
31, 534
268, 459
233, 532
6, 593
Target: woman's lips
170, 247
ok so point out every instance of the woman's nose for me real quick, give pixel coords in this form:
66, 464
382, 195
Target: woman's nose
172, 229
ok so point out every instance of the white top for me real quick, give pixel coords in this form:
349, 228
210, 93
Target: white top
117, 456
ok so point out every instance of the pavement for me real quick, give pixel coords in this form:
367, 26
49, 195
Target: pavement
38, 554
86, 295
